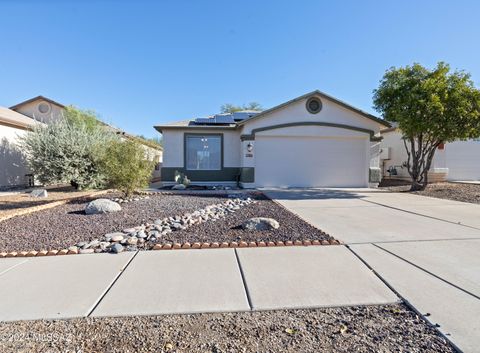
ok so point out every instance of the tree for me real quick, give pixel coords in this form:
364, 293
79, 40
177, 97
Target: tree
431, 107
126, 166
81, 117
231, 108
66, 152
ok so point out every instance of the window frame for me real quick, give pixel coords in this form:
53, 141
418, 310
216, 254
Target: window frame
185, 139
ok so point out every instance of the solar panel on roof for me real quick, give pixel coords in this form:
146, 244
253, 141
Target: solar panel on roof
216, 120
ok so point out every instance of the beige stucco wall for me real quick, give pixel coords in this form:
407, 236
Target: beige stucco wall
31, 109
296, 112
398, 156
13, 167
173, 142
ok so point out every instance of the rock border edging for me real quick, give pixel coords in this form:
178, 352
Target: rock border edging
182, 246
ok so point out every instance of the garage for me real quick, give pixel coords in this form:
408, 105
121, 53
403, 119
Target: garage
310, 161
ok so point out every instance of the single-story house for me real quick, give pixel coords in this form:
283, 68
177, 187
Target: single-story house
314, 140
454, 161
21, 117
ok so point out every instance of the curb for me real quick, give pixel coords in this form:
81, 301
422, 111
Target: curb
52, 204
183, 246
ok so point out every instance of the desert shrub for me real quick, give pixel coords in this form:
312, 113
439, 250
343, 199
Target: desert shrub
64, 152
126, 166
181, 178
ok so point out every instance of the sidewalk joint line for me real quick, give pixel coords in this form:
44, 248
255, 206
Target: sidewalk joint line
419, 214
427, 271
111, 284
245, 286
404, 300
11, 268
411, 241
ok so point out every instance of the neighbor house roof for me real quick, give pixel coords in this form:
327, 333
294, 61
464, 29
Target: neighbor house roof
12, 118
34, 99
323, 95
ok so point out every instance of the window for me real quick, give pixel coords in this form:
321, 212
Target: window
44, 108
204, 152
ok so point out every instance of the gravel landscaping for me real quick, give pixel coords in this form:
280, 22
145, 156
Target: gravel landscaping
67, 225
391, 328
450, 191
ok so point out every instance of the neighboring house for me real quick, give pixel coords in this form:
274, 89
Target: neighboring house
311, 141
13, 171
40, 108
455, 161
44, 110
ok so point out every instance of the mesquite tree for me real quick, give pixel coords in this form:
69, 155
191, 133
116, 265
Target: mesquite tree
431, 107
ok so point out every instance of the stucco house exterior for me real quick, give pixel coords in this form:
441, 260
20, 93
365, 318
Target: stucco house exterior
455, 161
13, 125
314, 140
18, 119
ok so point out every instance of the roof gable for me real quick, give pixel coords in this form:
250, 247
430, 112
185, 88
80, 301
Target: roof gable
16, 106
321, 95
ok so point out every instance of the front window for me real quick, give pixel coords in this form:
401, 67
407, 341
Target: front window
204, 152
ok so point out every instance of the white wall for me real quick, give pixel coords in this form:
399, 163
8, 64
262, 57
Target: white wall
463, 160
13, 167
296, 112
398, 155
173, 142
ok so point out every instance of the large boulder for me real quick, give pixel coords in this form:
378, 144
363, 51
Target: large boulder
102, 206
260, 223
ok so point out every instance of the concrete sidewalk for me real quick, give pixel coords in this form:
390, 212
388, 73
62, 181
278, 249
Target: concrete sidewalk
186, 281
426, 249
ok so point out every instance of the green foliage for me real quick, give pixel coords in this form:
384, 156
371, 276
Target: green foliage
156, 141
126, 166
66, 152
431, 107
231, 108
80, 117
181, 178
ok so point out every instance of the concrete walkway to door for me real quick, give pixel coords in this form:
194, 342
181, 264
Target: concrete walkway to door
426, 249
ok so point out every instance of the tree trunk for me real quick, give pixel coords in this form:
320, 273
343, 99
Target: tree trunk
420, 157
416, 186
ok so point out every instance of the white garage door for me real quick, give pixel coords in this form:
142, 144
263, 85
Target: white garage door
310, 162
463, 160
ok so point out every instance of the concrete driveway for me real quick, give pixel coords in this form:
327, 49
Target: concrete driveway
426, 249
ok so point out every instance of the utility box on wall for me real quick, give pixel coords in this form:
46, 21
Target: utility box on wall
385, 153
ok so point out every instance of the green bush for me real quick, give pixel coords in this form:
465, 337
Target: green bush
125, 165
66, 152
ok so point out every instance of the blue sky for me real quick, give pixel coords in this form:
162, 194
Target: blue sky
141, 63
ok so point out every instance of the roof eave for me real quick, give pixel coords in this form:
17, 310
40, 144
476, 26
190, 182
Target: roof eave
34, 99
160, 128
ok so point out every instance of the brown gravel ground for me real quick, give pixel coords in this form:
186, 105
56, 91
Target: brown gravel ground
390, 328
12, 203
450, 191
228, 229
66, 225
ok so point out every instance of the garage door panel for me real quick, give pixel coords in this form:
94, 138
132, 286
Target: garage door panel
310, 162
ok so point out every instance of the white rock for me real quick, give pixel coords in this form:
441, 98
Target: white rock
179, 187
39, 193
260, 223
102, 206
